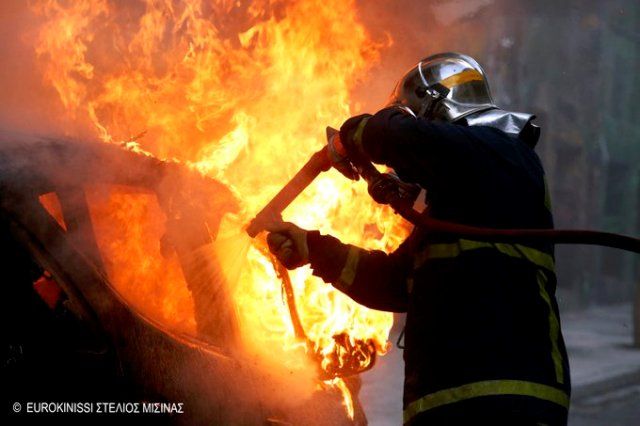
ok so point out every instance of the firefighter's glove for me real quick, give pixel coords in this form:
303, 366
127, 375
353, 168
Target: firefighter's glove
288, 243
345, 147
389, 189
340, 159
351, 137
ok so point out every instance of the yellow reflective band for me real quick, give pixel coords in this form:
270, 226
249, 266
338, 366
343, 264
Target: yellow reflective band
348, 273
486, 388
357, 136
554, 328
450, 250
463, 77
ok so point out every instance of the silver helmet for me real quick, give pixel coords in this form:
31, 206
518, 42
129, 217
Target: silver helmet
446, 86
453, 87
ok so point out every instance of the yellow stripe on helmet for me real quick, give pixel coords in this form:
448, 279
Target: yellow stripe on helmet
463, 77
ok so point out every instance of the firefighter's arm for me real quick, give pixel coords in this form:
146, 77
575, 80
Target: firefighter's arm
413, 146
372, 278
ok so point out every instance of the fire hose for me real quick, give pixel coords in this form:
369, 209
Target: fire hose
403, 205
388, 190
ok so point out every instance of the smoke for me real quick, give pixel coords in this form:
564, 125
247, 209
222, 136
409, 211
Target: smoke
27, 105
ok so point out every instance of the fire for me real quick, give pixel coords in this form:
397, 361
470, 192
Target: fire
241, 91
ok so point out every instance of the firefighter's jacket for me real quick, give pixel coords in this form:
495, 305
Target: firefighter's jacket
483, 331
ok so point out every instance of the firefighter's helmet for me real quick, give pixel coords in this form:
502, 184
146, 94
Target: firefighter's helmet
446, 86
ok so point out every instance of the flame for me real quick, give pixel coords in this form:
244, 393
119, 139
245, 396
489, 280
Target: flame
241, 91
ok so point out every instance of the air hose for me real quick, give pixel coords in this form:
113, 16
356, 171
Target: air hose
390, 191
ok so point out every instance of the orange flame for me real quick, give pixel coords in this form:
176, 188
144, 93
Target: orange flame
242, 91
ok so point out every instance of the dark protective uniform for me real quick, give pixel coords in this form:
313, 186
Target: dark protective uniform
483, 339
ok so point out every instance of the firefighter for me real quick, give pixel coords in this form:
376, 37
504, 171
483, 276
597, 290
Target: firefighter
483, 343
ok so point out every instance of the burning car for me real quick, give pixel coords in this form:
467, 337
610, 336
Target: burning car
52, 212
198, 113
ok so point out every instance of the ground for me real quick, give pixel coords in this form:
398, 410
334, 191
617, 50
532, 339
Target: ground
618, 407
